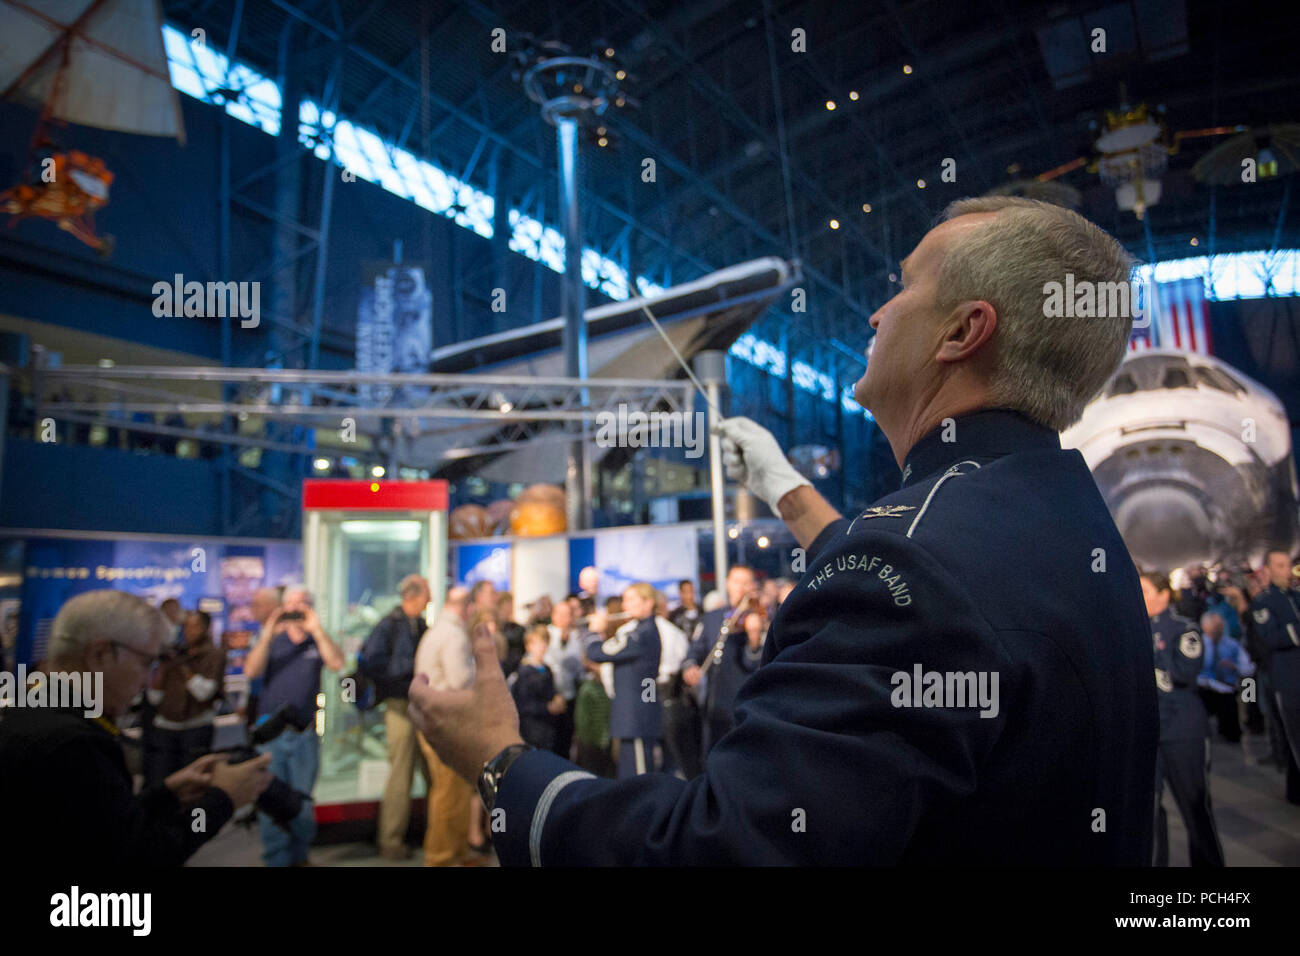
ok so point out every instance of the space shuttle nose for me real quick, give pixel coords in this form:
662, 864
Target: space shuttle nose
1164, 526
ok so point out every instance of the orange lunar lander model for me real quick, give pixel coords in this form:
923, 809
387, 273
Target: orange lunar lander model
77, 186
96, 63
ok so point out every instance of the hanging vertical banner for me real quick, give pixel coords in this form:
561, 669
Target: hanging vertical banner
394, 330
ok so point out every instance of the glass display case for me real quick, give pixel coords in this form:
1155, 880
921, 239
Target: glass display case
360, 538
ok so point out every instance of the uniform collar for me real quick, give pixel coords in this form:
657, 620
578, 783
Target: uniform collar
989, 433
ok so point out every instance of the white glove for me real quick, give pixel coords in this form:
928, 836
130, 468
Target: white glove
751, 456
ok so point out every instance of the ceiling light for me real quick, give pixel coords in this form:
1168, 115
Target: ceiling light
907, 68
835, 224
322, 464
830, 104
763, 541
866, 207
853, 95
378, 471
920, 184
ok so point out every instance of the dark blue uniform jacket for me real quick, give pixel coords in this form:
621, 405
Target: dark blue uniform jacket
1276, 615
725, 677
1277, 619
634, 652
996, 566
1180, 654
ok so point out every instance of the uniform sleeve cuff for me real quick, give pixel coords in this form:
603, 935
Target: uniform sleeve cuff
527, 792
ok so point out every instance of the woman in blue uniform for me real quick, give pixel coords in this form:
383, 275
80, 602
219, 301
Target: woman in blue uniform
635, 719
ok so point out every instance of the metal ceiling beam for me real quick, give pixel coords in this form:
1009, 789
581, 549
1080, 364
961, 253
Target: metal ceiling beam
486, 130
731, 107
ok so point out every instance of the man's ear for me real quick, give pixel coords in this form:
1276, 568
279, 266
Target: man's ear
970, 327
95, 655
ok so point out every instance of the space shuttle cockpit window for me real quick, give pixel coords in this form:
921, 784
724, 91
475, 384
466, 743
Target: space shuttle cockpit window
1176, 378
1122, 384
1218, 379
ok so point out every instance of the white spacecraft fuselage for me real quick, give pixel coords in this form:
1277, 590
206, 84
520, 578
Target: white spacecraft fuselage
1193, 459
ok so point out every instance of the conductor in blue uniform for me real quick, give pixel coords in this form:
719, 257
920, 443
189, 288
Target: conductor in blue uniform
1184, 755
635, 716
963, 674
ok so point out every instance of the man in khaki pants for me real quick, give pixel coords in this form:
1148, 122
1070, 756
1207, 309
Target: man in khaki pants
445, 657
389, 660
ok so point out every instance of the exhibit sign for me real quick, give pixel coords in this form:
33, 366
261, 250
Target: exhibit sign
216, 576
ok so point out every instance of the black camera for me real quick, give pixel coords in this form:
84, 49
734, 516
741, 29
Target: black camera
292, 616
279, 801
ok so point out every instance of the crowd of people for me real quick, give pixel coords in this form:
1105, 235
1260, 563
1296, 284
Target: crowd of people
1223, 644
621, 687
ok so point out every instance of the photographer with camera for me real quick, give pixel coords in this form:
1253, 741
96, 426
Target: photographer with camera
67, 793
183, 691
289, 655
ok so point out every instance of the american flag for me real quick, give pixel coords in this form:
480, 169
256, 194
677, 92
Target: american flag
1181, 319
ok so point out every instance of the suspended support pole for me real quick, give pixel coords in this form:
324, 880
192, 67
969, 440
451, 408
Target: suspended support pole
577, 476
711, 370
572, 90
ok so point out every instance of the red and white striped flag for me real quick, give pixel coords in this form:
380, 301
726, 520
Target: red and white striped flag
1182, 318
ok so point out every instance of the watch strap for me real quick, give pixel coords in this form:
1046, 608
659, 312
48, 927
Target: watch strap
489, 779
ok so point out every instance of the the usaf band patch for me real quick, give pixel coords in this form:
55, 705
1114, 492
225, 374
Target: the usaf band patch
1190, 644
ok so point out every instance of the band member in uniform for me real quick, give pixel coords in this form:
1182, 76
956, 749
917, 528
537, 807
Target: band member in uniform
915, 702
732, 661
1277, 631
635, 719
1184, 755
686, 615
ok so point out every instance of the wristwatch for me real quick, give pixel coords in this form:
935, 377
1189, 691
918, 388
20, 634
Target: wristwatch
490, 777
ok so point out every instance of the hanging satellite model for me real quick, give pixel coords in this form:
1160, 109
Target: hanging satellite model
95, 63
1132, 146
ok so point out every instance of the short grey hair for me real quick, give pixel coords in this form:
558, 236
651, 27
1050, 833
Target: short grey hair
307, 596
412, 585
104, 615
1046, 368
